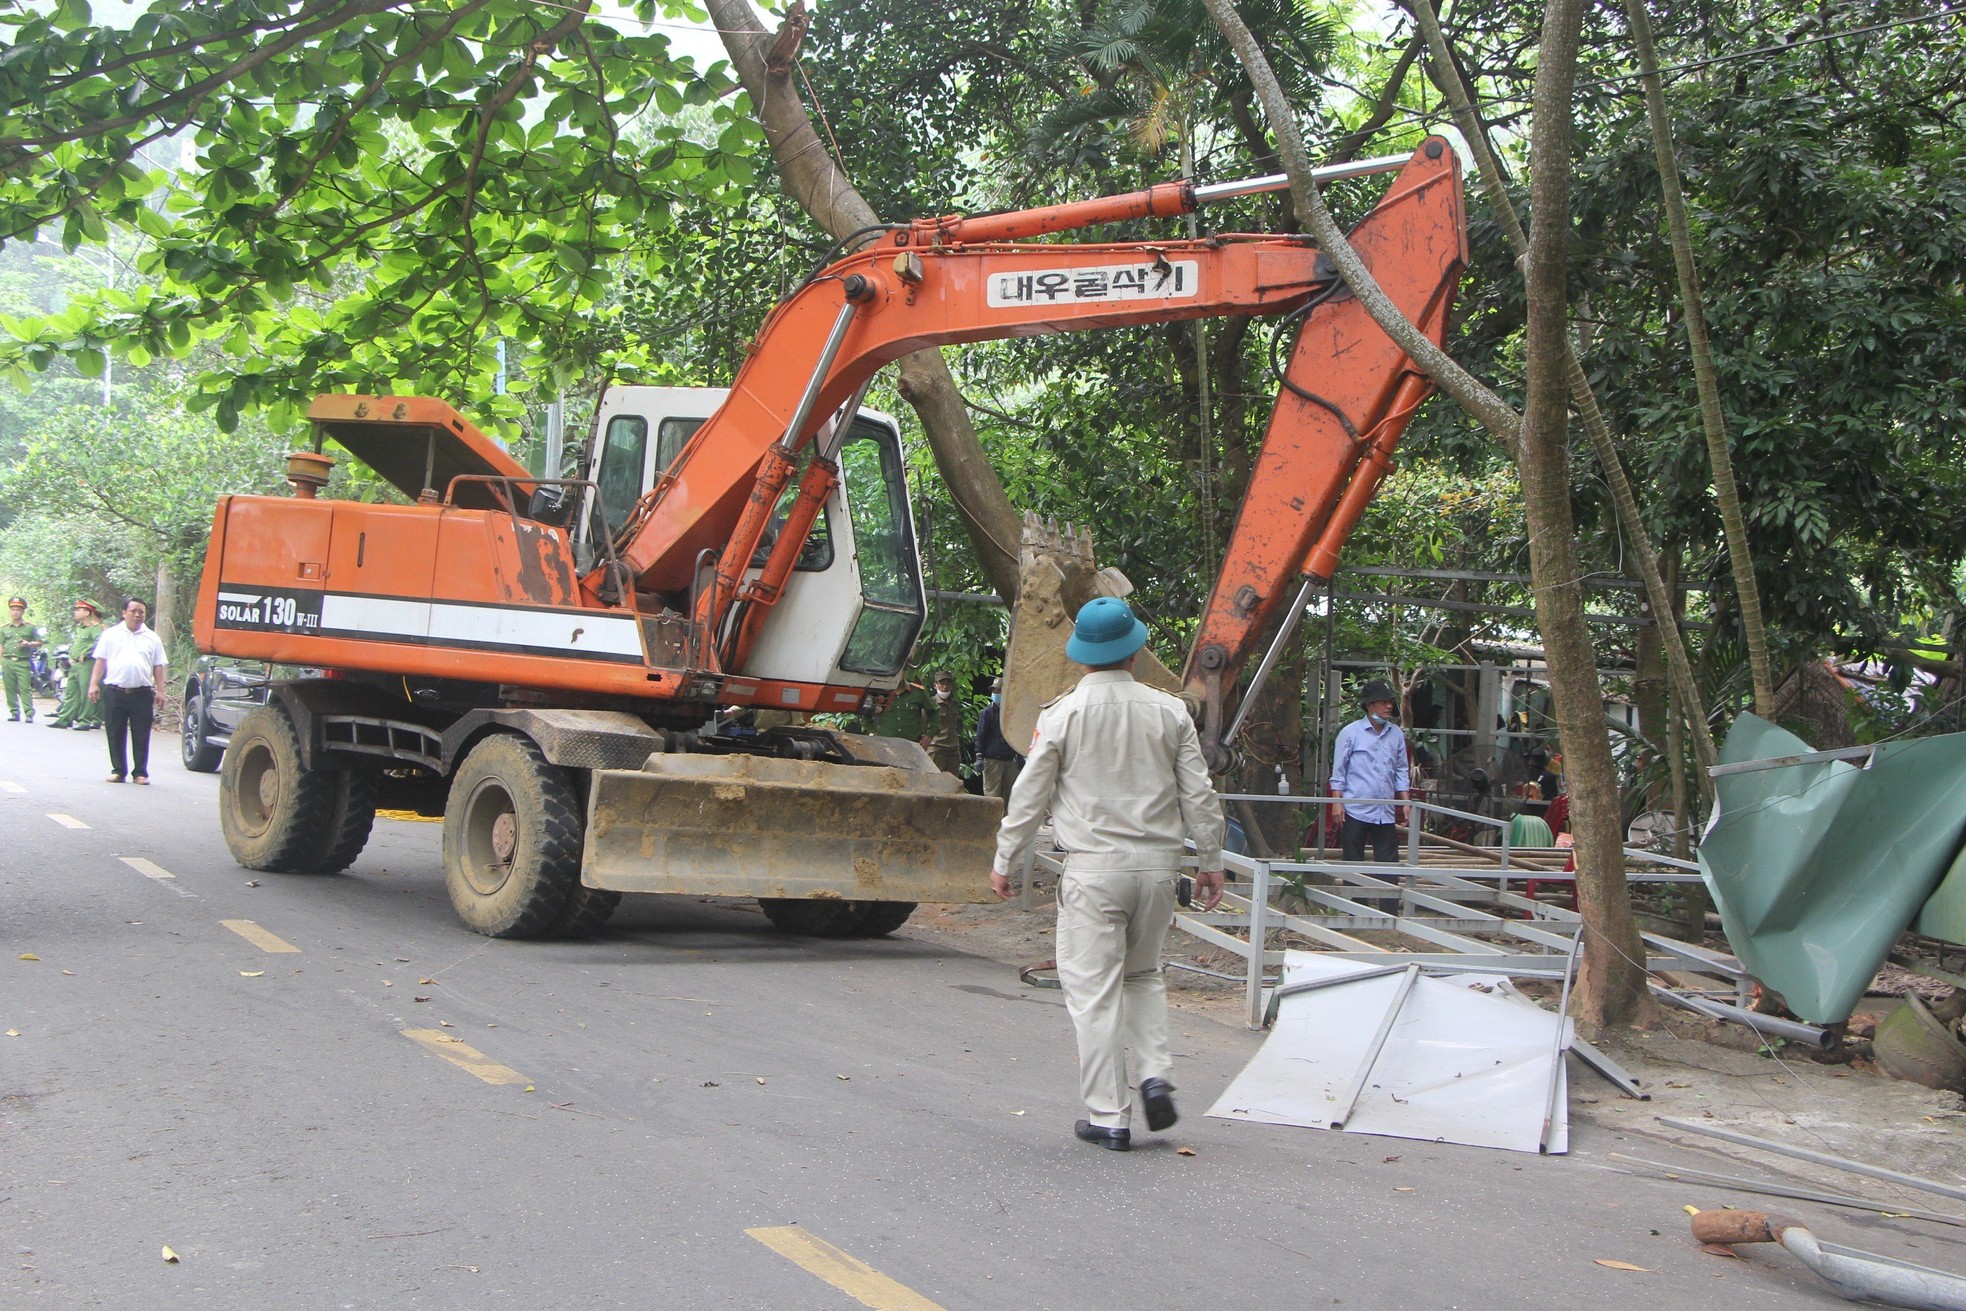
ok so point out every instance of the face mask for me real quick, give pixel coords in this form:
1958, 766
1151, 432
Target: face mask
996, 696
940, 695
1378, 721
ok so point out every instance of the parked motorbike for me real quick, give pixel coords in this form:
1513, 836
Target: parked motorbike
41, 669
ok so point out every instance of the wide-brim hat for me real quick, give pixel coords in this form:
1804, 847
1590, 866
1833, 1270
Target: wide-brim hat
1377, 689
1105, 633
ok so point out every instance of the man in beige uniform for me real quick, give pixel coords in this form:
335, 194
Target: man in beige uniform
1119, 766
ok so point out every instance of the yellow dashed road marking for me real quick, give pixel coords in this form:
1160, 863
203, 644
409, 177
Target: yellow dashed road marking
11, 787
259, 937
464, 1056
149, 869
855, 1278
67, 821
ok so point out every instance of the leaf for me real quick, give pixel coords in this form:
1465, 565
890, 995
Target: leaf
170, 1256
250, 974
1404, 1188
761, 1079
28, 955
1184, 1151
1621, 1265
1719, 1249
1690, 1209
844, 1078
13, 1033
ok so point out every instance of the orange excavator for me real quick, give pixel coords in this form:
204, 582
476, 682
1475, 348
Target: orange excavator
577, 674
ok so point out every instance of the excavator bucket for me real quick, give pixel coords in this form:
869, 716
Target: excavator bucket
759, 826
1055, 576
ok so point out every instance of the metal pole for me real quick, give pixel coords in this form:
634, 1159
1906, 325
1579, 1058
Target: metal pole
1765, 1025
1350, 1100
1819, 1158
1556, 1047
1220, 191
1259, 905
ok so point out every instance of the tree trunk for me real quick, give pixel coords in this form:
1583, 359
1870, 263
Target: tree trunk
163, 614
815, 182
1611, 986
1728, 496
1611, 981
1679, 667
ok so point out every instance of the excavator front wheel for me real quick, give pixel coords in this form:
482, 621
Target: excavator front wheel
830, 917
512, 839
274, 810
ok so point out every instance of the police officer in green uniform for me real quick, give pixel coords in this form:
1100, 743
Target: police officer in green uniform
17, 642
945, 743
909, 714
77, 711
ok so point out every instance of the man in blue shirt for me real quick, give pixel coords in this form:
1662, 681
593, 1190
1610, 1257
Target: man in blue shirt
1369, 761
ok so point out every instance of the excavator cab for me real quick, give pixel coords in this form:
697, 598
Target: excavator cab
854, 604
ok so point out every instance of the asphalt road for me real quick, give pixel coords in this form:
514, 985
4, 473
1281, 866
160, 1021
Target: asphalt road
700, 1112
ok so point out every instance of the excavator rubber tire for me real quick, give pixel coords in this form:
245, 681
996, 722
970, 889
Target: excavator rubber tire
350, 817
880, 918
827, 917
587, 909
273, 810
512, 840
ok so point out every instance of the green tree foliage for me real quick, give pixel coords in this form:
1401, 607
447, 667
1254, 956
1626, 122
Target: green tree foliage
371, 194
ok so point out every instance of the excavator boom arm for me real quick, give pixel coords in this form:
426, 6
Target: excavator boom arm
1348, 389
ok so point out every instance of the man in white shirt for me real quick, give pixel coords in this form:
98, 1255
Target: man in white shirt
1119, 766
128, 670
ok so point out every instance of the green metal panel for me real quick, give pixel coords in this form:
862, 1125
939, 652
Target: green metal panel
1818, 868
1944, 916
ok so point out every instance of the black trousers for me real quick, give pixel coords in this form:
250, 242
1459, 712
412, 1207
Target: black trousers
128, 708
1384, 838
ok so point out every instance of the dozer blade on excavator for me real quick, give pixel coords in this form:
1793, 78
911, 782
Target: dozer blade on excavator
1056, 576
759, 826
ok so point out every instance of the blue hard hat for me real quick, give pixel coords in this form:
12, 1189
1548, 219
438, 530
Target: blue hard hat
1105, 633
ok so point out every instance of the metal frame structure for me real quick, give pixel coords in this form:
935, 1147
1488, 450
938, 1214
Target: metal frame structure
1454, 918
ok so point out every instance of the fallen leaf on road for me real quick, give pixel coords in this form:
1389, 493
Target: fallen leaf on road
387, 984
1719, 1249
1184, 1151
447, 1025
13, 1033
28, 955
1388, 1160
711, 1083
761, 1078
426, 982
250, 974
1403, 1188
1622, 1265
528, 1087
844, 1078
170, 1256
402, 960
1690, 1209
1017, 1112
419, 999
71, 974
252, 883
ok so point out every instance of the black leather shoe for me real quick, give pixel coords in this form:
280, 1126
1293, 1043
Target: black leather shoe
1157, 1096
1113, 1140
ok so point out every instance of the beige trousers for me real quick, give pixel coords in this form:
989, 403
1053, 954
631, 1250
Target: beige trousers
1000, 776
1110, 930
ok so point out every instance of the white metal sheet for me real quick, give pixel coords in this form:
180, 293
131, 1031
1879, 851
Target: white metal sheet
1469, 1061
